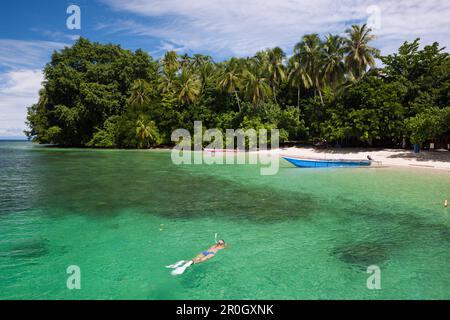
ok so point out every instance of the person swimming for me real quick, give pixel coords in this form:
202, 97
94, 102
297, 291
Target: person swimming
182, 265
210, 253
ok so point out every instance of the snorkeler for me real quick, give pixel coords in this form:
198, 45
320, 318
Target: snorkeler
182, 265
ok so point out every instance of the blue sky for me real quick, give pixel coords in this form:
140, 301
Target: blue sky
30, 30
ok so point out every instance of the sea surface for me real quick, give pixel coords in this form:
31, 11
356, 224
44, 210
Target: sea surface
121, 216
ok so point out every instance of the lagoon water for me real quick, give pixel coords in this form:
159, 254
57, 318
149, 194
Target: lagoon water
121, 216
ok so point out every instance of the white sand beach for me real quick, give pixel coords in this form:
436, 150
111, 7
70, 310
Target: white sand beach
385, 157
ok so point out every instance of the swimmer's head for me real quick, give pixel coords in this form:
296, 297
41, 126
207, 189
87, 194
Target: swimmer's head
221, 242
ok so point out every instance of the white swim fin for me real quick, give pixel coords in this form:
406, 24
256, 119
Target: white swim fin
176, 265
180, 270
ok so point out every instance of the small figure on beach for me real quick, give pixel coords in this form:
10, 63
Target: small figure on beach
369, 158
322, 143
182, 265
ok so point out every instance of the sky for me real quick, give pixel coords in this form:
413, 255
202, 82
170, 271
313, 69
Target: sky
30, 30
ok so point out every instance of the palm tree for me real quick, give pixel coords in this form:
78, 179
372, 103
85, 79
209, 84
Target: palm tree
206, 71
170, 63
189, 86
275, 69
256, 87
310, 55
333, 60
199, 60
146, 132
360, 55
298, 77
229, 82
167, 83
186, 61
140, 93
260, 59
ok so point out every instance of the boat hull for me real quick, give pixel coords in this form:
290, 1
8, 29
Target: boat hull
310, 163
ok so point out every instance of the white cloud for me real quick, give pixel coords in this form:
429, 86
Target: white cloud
166, 46
21, 82
21, 63
26, 54
18, 90
243, 26
56, 35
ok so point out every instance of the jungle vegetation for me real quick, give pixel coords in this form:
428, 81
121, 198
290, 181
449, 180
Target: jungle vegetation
100, 95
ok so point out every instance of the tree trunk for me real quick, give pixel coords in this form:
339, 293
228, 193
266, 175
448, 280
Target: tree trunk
298, 101
320, 92
237, 99
274, 94
321, 98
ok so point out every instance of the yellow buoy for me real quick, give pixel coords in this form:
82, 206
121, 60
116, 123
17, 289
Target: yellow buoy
446, 203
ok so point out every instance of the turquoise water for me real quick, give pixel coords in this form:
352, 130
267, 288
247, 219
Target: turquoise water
121, 216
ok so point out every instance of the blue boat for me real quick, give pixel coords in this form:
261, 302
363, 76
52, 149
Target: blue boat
321, 163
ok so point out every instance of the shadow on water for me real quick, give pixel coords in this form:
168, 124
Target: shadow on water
27, 249
101, 184
362, 255
213, 197
383, 233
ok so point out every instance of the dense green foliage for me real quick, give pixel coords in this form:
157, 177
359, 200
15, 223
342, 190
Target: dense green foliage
104, 96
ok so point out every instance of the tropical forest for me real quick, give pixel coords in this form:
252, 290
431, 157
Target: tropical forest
335, 88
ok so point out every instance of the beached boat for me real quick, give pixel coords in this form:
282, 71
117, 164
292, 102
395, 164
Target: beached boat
324, 163
221, 150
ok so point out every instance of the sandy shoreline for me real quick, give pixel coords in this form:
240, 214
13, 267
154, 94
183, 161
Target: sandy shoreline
385, 157
439, 160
